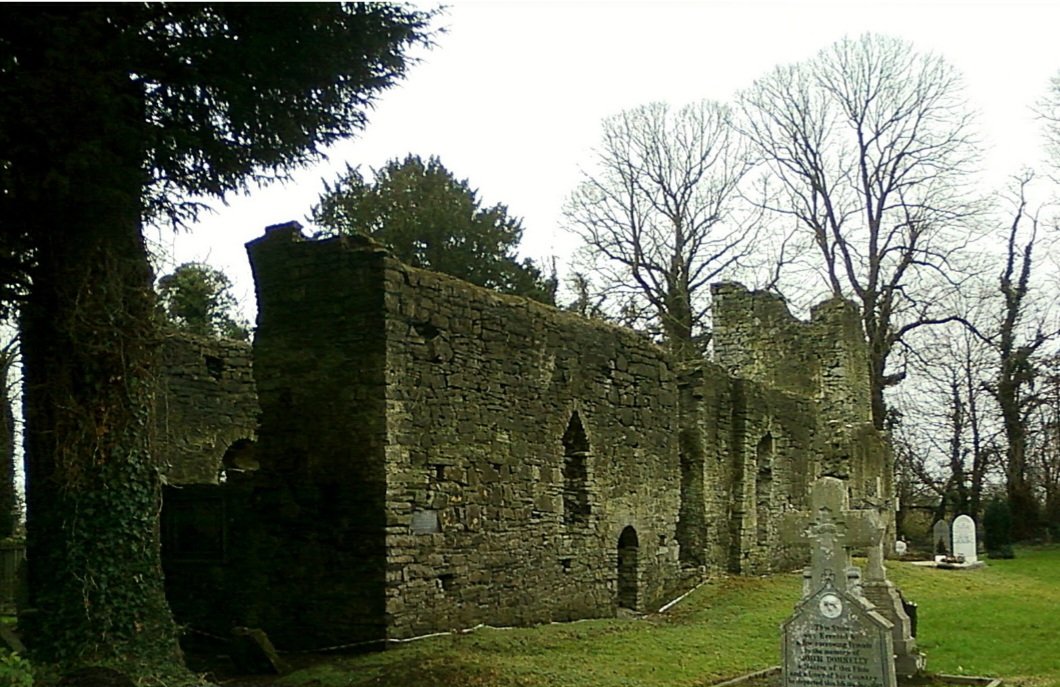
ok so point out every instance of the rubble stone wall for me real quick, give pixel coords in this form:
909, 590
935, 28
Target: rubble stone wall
207, 402
314, 546
522, 443
434, 455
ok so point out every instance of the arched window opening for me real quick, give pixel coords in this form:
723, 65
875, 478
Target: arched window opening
239, 459
576, 506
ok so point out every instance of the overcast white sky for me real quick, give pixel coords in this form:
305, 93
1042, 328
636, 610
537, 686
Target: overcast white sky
512, 96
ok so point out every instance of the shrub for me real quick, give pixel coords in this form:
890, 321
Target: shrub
997, 529
15, 671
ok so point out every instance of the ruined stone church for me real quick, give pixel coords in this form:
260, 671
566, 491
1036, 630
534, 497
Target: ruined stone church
402, 452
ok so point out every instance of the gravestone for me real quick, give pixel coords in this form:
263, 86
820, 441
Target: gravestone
964, 538
831, 528
900, 548
253, 653
941, 543
835, 638
888, 602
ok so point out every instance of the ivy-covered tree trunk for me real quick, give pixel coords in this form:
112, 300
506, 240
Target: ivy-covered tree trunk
94, 490
89, 335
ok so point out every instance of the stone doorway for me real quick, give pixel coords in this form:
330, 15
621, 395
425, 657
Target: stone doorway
628, 577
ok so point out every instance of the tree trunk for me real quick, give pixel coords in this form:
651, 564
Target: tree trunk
90, 336
94, 489
1021, 499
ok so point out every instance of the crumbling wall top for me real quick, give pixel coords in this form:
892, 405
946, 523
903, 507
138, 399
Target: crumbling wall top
756, 337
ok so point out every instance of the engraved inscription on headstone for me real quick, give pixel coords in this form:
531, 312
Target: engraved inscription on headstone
940, 538
834, 641
964, 538
835, 638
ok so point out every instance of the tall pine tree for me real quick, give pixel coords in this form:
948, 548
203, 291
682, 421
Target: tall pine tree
428, 218
113, 113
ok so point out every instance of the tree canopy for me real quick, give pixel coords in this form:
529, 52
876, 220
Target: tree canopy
656, 215
198, 298
428, 218
113, 114
871, 143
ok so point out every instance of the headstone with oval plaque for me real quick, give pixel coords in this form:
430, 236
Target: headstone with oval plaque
835, 638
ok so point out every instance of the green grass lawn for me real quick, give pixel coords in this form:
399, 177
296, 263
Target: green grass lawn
1001, 620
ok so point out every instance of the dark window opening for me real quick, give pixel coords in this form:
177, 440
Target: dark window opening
426, 330
214, 365
239, 458
764, 488
627, 568
576, 508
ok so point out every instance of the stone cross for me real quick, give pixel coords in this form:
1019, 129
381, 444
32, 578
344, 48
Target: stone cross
831, 528
875, 571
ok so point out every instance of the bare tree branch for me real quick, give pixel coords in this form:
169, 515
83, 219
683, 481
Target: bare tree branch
872, 143
656, 214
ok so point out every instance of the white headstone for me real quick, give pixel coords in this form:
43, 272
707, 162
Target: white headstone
900, 547
964, 538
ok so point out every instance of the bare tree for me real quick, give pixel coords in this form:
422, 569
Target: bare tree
1043, 446
872, 145
952, 414
1049, 110
1017, 340
656, 215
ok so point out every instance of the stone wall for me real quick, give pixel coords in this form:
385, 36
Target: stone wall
318, 539
206, 424
434, 455
502, 448
824, 360
746, 455
522, 443
207, 403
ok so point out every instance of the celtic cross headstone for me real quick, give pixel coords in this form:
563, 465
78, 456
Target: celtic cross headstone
835, 638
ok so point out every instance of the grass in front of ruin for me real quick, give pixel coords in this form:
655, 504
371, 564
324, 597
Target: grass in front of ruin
1001, 620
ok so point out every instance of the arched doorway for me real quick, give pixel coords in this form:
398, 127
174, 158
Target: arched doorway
628, 586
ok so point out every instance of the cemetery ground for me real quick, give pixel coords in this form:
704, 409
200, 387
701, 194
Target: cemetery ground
1001, 620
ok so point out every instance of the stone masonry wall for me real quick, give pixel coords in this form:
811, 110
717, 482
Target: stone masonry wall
206, 417
207, 403
433, 455
824, 360
746, 450
522, 443
756, 338
314, 547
